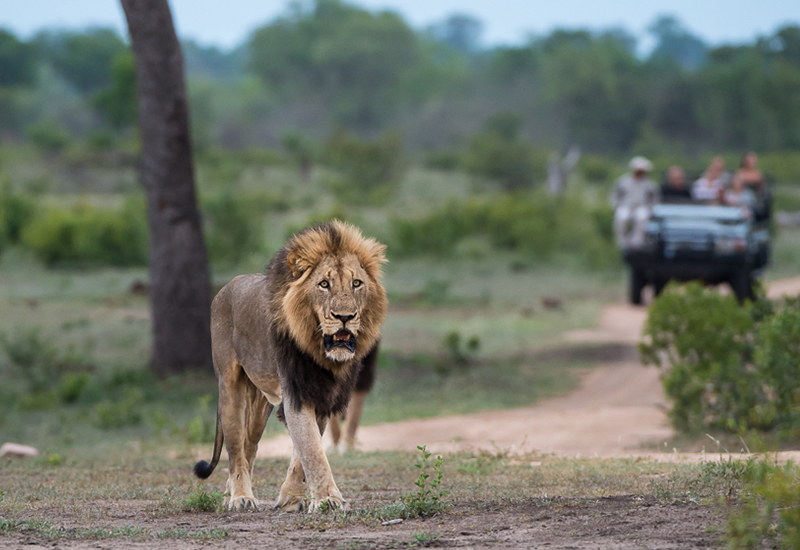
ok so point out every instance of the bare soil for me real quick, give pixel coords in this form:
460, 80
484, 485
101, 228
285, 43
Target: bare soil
622, 522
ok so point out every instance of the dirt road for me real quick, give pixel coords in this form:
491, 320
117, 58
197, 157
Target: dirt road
619, 409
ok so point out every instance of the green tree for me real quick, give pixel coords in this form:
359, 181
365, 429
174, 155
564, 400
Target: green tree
82, 58
17, 61
352, 57
117, 102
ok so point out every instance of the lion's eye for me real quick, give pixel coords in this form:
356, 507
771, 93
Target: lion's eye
357, 283
324, 284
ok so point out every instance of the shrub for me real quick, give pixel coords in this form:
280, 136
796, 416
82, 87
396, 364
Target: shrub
728, 367
784, 167
87, 234
16, 211
443, 160
777, 356
37, 361
366, 165
513, 163
48, 136
596, 169
699, 333
233, 227
535, 225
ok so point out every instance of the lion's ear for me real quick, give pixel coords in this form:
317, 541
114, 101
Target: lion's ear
297, 264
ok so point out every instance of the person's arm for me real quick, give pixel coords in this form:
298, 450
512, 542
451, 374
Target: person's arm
617, 194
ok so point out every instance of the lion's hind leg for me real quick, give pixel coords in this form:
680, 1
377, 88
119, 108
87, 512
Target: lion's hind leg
242, 409
293, 491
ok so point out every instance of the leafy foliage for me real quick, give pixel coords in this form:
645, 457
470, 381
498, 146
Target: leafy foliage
365, 165
533, 224
770, 509
728, 367
89, 234
429, 498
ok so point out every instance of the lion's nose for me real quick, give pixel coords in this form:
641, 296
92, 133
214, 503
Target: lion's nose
344, 318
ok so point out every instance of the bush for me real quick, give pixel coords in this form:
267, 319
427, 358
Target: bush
784, 167
48, 137
366, 165
535, 225
38, 362
597, 169
728, 367
233, 227
443, 160
87, 234
514, 164
16, 211
498, 153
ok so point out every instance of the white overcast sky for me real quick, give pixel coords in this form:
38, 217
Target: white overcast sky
226, 23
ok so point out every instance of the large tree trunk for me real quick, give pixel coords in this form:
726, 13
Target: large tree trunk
180, 290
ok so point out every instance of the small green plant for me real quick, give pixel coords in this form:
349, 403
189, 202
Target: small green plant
459, 350
429, 498
200, 501
769, 511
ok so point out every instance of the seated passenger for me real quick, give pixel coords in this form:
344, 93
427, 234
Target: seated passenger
749, 172
738, 194
713, 181
675, 186
633, 198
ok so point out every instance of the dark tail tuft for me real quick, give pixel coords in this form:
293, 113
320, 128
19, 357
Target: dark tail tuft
203, 469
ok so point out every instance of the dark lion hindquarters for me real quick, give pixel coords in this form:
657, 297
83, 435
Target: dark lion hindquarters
366, 374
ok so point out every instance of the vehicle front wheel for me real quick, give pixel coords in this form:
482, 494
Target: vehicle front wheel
742, 285
636, 284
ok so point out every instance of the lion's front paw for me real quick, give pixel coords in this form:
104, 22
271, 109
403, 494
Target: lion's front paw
326, 504
243, 503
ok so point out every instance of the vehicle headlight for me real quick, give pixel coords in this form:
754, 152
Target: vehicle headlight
730, 245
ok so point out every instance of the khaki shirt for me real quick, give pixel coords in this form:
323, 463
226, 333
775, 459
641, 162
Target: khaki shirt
632, 192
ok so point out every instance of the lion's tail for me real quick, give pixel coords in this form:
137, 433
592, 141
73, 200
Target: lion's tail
203, 469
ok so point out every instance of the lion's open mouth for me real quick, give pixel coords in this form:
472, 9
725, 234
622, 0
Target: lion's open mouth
340, 339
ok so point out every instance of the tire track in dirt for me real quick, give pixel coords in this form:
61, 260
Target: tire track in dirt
617, 409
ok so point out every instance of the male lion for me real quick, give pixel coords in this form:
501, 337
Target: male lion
294, 338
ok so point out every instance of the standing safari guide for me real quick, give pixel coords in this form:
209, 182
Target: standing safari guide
294, 338
633, 198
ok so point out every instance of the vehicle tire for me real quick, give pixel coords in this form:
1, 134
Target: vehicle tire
658, 286
636, 284
742, 285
